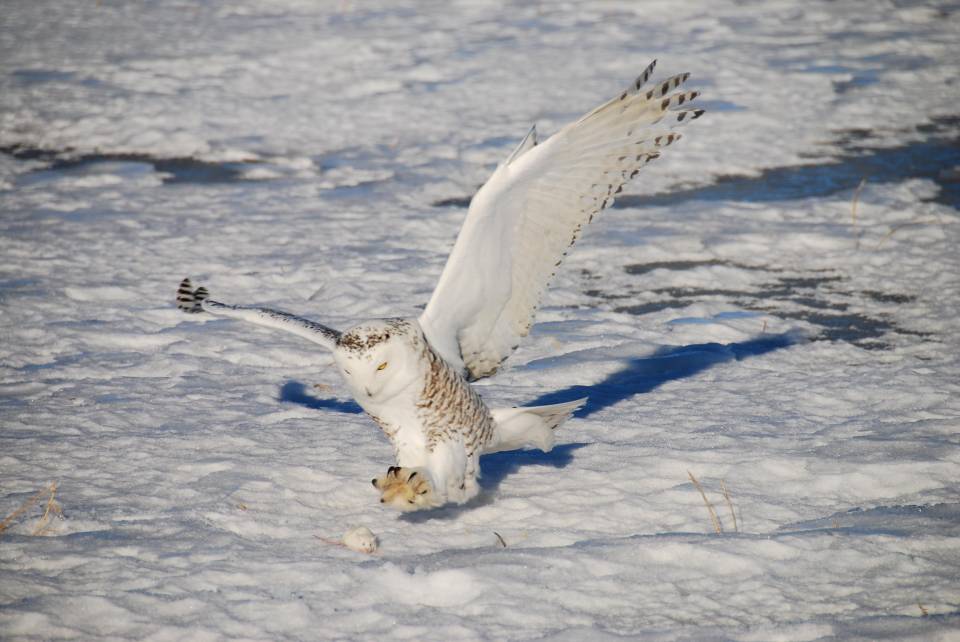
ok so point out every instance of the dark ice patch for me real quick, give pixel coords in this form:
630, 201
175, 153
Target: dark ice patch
922, 159
174, 170
817, 298
933, 519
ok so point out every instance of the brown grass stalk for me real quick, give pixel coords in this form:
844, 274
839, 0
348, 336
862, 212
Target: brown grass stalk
726, 497
27, 505
713, 514
913, 223
52, 506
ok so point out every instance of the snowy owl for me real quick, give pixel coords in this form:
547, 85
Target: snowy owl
412, 375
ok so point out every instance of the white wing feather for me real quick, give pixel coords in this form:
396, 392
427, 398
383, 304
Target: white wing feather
309, 330
521, 222
198, 300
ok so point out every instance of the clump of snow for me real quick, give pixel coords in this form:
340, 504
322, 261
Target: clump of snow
442, 588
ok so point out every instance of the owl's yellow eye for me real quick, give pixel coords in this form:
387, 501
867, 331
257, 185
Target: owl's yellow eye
382, 366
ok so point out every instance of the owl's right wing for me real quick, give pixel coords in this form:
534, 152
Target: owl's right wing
532, 209
197, 300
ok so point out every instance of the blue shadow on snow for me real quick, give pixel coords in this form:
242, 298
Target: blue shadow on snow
643, 374
296, 392
496, 467
929, 159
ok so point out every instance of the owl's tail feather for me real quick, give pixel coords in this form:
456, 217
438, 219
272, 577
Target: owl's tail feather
530, 426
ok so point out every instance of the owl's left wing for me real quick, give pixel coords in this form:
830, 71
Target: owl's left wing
198, 300
523, 220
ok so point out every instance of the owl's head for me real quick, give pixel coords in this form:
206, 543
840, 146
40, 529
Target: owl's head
379, 359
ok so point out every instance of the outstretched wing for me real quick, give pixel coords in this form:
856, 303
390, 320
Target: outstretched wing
532, 209
190, 300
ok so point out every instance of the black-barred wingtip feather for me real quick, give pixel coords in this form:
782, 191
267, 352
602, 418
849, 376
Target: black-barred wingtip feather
190, 300
645, 76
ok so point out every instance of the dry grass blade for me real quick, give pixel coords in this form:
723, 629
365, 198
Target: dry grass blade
52, 507
914, 223
27, 505
713, 514
856, 200
726, 497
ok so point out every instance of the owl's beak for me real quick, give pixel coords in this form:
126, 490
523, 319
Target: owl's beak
369, 394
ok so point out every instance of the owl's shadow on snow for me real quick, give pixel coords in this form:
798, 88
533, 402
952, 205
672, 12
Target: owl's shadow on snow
639, 375
296, 392
669, 363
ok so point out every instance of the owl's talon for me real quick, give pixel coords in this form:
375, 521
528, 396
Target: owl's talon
406, 489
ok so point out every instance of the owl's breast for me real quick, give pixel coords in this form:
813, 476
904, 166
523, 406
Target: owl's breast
401, 422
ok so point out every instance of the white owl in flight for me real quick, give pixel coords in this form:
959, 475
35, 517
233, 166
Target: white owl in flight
411, 375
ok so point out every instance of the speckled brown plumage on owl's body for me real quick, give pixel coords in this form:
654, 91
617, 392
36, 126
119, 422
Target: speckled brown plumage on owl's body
450, 406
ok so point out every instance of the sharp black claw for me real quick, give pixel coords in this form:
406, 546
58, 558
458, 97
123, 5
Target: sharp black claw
412, 475
374, 482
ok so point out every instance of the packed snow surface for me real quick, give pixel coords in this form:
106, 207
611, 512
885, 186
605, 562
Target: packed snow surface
766, 324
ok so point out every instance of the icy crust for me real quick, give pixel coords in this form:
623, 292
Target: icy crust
797, 355
466, 593
286, 89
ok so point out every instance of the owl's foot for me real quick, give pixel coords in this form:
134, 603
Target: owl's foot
406, 489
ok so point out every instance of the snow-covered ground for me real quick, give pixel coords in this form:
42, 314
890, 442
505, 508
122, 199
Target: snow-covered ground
772, 308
